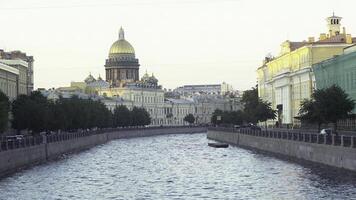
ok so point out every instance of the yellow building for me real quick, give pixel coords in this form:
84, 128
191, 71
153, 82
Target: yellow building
287, 79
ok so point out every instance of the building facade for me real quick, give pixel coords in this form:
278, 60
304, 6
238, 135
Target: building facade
9, 80
339, 70
217, 89
16, 73
287, 79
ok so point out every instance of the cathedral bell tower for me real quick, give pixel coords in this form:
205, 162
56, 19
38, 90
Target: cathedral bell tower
334, 25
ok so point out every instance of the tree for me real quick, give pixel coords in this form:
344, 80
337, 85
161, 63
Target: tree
37, 114
327, 105
189, 118
30, 112
255, 109
309, 112
237, 117
122, 116
250, 100
216, 117
140, 117
264, 112
4, 111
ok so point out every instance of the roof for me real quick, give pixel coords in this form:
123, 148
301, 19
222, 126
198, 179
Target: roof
341, 38
121, 46
99, 84
297, 45
179, 101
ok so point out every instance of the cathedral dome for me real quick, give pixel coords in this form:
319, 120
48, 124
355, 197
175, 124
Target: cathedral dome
121, 46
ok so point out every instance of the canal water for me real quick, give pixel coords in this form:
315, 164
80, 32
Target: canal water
175, 167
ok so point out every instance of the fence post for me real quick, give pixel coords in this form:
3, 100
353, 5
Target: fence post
44, 139
352, 142
317, 138
333, 139
324, 139
303, 137
342, 141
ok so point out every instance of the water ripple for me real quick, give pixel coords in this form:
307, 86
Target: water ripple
175, 167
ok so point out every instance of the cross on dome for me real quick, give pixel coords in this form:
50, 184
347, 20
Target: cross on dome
121, 34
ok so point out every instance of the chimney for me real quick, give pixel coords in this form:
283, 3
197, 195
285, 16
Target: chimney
348, 39
311, 39
322, 36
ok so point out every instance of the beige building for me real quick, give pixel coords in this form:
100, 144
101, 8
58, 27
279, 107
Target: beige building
287, 79
9, 80
16, 73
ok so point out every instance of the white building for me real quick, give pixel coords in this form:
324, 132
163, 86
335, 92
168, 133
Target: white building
217, 89
123, 87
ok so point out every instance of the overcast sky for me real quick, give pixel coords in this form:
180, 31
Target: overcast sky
180, 41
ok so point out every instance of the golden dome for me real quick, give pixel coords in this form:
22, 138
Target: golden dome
121, 46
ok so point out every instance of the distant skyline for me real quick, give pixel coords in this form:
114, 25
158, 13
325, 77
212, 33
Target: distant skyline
182, 42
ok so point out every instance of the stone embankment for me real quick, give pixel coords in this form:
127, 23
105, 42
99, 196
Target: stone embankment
32, 150
336, 151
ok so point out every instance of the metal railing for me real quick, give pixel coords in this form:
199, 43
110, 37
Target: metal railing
335, 140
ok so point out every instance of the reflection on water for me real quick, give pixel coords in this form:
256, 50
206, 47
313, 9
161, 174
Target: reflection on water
175, 167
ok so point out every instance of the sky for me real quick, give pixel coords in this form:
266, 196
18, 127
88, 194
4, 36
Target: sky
180, 41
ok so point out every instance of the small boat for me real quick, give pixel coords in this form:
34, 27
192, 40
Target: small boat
218, 145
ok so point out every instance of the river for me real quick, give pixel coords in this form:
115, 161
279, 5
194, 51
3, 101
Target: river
175, 167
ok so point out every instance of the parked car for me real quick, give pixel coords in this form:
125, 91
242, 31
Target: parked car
255, 127
236, 126
251, 126
326, 131
14, 138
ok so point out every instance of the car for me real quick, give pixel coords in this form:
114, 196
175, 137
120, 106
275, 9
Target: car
251, 126
254, 127
14, 138
326, 131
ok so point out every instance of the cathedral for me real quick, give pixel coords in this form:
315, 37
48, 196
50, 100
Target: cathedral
122, 68
123, 86
122, 76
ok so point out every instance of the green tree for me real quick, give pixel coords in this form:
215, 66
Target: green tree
255, 109
122, 116
216, 117
30, 112
237, 117
250, 101
327, 105
310, 112
264, 112
189, 118
4, 111
140, 117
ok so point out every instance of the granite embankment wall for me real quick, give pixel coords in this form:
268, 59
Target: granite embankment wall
336, 151
35, 150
